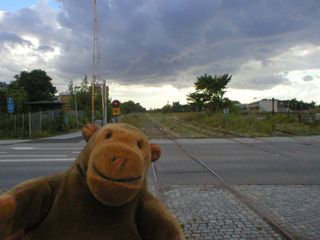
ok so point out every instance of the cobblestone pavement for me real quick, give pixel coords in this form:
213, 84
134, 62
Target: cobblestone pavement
208, 212
295, 207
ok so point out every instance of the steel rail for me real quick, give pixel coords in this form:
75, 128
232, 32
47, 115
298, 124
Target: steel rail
274, 152
157, 184
259, 211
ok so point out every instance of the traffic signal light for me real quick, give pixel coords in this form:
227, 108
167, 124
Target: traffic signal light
115, 104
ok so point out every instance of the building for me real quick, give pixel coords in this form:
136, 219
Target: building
64, 97
263, 105
3, 85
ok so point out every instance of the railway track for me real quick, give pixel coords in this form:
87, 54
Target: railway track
288, 156
211, 131
153, 126
188, 129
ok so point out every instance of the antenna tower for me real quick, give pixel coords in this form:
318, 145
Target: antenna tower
96, 71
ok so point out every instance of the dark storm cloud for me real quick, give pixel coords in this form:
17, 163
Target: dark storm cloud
307, 78
12, 38
172, 42
263, 82
45, 49
24, 21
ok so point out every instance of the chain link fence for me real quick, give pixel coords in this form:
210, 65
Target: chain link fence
53, 120
37, 119
42, 123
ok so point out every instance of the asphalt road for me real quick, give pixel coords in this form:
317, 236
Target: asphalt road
263, 161
31, 159
283, 161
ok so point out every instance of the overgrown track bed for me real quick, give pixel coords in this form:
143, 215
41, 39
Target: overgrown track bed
285, 132
181, 129
152, 124
213, 132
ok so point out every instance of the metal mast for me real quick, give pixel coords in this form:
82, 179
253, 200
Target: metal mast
96, 66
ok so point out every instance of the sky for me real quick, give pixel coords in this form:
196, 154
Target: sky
152, 51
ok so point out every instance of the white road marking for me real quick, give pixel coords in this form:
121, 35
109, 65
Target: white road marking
39, 160
33, 156
22, 148
39, 148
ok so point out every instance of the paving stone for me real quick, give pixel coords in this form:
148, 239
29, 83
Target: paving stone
215, 212
294, 207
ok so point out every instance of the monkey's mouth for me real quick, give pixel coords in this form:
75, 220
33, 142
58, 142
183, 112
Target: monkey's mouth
112, 179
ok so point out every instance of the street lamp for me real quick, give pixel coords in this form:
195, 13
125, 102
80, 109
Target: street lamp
75, 100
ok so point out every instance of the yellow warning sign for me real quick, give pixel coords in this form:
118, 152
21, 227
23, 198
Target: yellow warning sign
116, 111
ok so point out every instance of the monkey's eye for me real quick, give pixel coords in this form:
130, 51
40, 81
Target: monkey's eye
109, 135
139, 145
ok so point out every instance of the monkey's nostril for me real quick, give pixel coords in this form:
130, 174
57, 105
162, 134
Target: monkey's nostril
114, 159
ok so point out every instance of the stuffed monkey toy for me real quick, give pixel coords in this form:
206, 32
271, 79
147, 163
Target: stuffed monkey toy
103, 195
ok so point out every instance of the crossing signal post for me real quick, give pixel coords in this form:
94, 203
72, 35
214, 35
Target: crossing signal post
116, 109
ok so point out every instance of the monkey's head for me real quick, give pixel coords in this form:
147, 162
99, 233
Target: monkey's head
119, 157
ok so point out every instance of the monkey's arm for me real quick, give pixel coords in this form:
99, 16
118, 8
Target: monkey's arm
24, 206
156, 222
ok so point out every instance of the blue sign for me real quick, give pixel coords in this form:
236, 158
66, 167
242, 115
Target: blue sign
10, 105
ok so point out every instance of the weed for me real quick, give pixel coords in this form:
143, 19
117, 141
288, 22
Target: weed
251, 125
134, 120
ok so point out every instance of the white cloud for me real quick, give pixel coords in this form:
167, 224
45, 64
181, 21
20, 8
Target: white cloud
149, 97
2, 14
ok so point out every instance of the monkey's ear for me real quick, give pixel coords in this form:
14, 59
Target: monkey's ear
88, 130
155, 152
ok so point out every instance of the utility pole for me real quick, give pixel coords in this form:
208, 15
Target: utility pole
96, 66
75, 100
105, 94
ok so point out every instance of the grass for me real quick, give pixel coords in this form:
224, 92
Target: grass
134, 120
249, 125
241, 124
255, 125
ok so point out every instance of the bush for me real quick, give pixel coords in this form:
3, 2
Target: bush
60, 123
12, 127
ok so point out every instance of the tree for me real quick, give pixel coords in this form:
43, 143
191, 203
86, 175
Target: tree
294, 104
198, 100
36, 83
85, 84
71, 87
131, 107
84, 99
166, 108
209, 92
